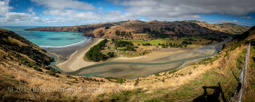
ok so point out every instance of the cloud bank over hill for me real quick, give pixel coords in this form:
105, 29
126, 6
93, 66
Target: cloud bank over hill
74, 12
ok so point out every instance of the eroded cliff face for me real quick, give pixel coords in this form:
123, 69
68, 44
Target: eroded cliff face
140, 30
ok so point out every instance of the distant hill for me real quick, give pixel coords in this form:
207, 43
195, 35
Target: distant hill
250, 34
245, 38
139, 30
225, 27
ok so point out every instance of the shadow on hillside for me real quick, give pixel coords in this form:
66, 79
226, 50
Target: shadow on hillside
214, 97
234, 75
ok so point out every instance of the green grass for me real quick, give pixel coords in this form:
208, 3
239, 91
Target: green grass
153, 42
156, 74
117, 80
173, 71
197, 41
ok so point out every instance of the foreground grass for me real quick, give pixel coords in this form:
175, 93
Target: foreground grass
250, 84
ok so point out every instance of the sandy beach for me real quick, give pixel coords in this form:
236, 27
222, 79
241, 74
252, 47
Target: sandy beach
76, 61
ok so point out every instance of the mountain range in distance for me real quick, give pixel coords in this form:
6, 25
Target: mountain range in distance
140, 30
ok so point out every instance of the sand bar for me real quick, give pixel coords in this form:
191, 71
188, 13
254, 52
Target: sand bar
76, 61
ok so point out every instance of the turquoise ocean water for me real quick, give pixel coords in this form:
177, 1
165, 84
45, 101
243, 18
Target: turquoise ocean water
46, 38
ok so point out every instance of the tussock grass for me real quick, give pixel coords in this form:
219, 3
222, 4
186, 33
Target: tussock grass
249, 95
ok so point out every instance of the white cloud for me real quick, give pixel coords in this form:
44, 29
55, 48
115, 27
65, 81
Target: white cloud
165, 9
14, 18
4, 7
233, 22
65, 4
228, 21
61, 15
81, 18
64, 12
74, 12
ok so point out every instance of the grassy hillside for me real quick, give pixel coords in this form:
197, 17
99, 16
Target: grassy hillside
226, 27
15, 47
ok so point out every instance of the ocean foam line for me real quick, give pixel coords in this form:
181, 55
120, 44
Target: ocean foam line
84, 41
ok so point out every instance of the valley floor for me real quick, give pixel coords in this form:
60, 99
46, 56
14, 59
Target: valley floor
129, 68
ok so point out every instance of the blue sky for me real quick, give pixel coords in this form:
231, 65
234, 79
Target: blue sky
82, 12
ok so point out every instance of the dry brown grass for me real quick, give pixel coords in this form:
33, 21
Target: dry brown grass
249, 95
15, 41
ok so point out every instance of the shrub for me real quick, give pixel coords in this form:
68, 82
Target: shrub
157, 74
117, 32
136, 82
146, 44
38, 69
52, 72
110, 54
94, 53
48, 67
120, 43
107, 27
119, 80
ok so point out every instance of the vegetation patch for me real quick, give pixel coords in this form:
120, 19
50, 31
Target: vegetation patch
117, 80
94, 53
127, 46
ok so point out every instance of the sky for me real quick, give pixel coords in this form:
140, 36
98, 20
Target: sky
83, 12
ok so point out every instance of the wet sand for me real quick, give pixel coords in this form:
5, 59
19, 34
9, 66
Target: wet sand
155, 62
152, 56
63, 53
76, 59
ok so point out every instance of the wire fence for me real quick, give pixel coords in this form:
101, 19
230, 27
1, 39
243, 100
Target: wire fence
242, 79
